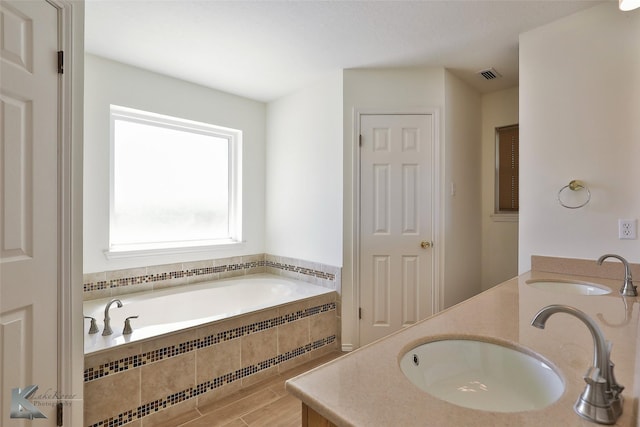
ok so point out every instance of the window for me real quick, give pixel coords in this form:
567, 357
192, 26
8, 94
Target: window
174, 183
507, 169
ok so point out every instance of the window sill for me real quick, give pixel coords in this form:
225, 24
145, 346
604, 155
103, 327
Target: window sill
504, 217
134, 251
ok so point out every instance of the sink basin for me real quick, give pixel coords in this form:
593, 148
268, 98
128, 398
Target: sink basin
481, 375
568, 287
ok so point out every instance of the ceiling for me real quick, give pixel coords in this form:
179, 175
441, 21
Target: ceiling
266, 49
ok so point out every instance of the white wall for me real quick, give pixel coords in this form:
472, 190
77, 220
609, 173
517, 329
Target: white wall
304, 173
108, 82
579, 119
462, 221
499, 232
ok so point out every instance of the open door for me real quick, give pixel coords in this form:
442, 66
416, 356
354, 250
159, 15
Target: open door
30, 139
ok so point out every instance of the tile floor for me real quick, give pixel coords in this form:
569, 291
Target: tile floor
266, 404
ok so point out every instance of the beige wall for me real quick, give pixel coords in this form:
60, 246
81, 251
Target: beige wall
579, 110
383, 90
457, 107
462, 225
499, 232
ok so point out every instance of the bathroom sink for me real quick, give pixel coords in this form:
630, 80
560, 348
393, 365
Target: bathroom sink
482, 375
568, 287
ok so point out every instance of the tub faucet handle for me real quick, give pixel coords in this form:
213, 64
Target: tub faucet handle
93, 328
127, 325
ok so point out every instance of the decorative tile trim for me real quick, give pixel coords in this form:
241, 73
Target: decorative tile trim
192, 392
138, 360
301, 270
204, 271
152, 278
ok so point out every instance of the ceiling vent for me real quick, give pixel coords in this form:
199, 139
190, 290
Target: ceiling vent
489, 74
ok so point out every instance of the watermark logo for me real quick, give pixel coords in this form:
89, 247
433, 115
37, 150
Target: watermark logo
21, 407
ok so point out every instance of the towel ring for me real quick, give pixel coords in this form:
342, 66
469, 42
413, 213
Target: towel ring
574, 185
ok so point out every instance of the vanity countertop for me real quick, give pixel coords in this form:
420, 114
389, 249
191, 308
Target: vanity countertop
366, 388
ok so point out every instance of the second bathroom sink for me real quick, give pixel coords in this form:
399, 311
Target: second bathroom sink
482, 375
568, 287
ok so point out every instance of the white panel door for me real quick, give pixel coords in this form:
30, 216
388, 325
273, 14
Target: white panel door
396, 175
29, 136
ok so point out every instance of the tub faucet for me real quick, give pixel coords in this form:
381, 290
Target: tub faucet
107, 320
601, 400
628, 289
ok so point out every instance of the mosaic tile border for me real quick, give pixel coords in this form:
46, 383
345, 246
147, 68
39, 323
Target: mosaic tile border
192, 392
138, 360
204, 271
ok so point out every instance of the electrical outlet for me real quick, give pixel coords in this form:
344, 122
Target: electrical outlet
627, 229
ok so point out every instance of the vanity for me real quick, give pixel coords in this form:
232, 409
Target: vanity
369, 387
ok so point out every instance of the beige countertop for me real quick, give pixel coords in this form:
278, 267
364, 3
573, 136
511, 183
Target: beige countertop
366, 388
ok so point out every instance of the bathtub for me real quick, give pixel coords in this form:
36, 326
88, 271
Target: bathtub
195, 344
170, 310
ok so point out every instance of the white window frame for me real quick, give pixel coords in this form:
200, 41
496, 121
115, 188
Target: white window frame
234, 137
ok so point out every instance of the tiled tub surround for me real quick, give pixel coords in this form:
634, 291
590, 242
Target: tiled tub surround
120, 282
154, 380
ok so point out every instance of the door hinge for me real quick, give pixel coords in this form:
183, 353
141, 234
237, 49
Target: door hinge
60, 62
359, 312
59, 414
360, 140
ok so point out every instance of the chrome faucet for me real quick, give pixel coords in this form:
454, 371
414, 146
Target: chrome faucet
601, 400
628, 289
107, 320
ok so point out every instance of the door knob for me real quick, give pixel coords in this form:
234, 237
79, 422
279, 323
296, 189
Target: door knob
424, 244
